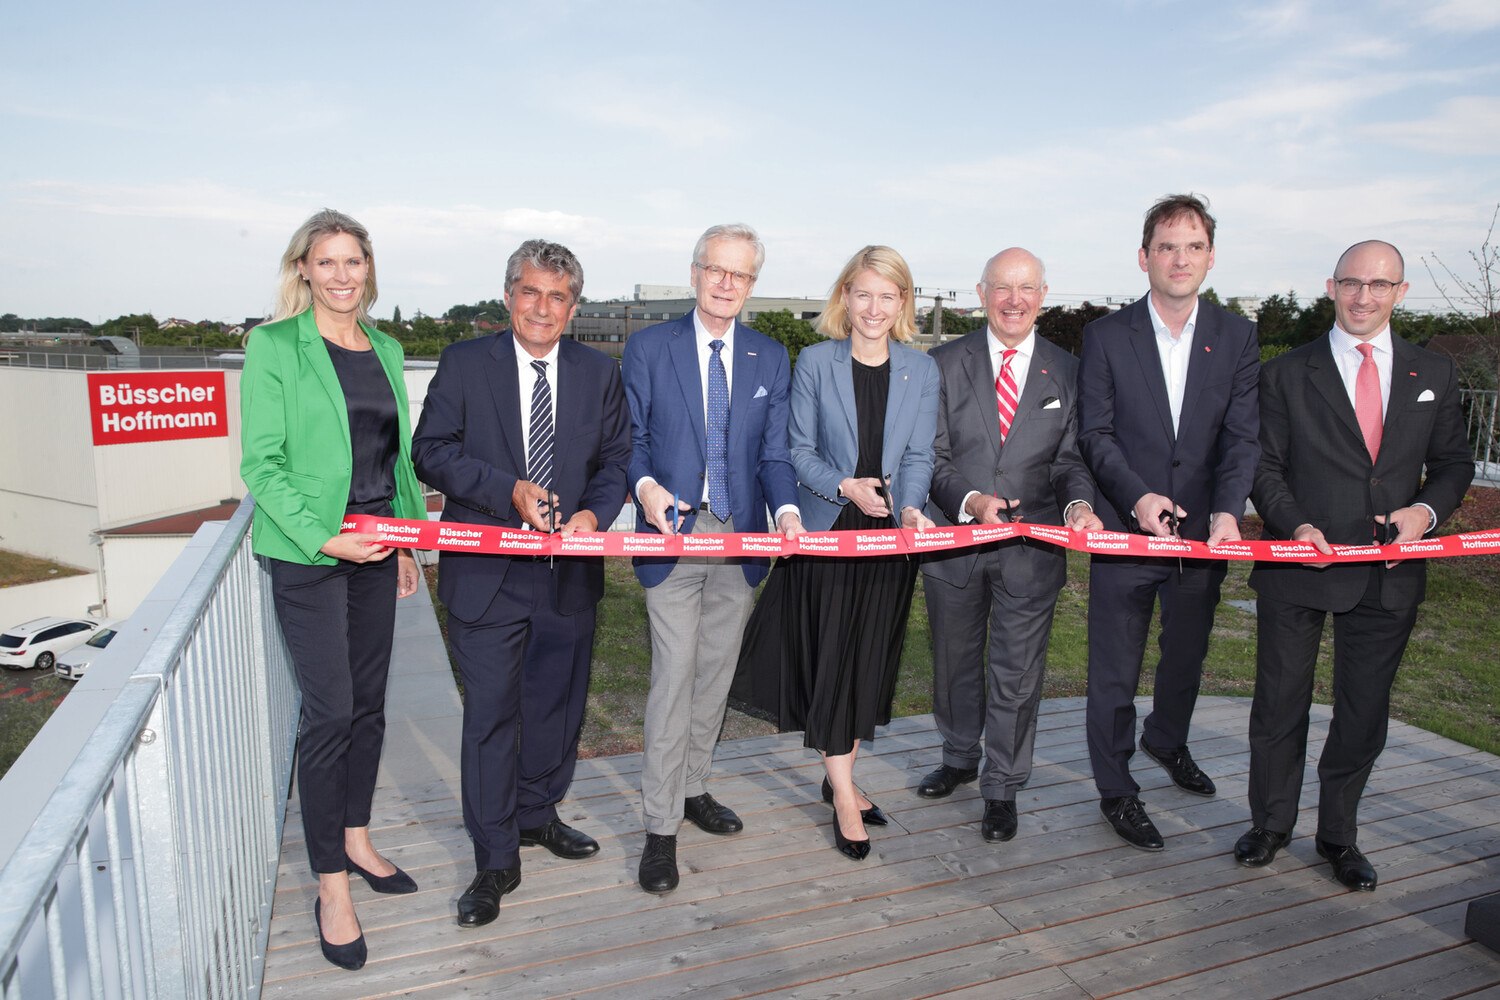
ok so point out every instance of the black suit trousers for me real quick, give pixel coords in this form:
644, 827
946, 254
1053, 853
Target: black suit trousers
525, 668
1368, 643
1122, 595
338, 622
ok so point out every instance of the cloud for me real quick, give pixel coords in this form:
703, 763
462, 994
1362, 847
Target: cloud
1460, 126
1464, 16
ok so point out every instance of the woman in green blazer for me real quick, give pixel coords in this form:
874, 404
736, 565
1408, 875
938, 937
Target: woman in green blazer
326, 430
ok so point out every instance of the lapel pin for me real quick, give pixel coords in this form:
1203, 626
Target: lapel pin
1044, 371
750, 354
1412, 374
1207, 349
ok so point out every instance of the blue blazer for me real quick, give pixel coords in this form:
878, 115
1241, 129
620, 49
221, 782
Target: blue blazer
665, 391
825, 439
1125, 419
468, 446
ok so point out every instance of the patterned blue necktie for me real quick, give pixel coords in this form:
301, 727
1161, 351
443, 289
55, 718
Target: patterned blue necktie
539, 459
718, 434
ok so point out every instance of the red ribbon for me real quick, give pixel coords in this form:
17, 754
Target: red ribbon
457, 536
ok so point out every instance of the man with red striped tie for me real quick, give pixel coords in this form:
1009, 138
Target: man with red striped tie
1006, 448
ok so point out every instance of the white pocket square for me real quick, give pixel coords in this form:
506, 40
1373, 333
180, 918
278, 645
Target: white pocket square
1052, 404
1426, 396
761, 391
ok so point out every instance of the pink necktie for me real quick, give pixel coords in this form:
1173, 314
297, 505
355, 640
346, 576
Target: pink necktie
1006, 394
1367, 400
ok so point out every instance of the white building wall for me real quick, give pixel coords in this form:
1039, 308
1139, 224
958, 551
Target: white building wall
132, 565
71, 596
48, 500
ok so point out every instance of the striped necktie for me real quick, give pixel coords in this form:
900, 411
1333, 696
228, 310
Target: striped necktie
539, 454
1006, 394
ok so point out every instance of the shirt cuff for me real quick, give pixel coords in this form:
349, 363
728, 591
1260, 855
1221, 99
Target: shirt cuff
776, 521
1073, 503
1432, 519
964, 517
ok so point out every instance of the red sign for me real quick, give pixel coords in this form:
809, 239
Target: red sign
127, 407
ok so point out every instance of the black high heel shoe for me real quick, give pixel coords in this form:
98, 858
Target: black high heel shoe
349, 956
854, 850
397, 883
872, 816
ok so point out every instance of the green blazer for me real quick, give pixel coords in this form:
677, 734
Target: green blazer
294, 436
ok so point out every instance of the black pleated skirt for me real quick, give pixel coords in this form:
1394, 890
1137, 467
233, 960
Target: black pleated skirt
823, 646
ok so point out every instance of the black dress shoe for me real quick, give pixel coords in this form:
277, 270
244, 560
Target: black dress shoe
1179, 764
396, 883
872, 816
658, 871
1258, 847
1350, 867
1129, 819
939, 784
709, 816
999, 820
561, 839
480, 902
349, 956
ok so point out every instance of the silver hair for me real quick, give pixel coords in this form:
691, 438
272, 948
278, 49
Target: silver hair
545, 256
731, 231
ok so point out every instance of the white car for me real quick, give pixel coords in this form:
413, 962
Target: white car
36, 643
75, 662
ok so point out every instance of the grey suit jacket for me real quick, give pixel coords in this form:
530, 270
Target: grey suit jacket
1039, 463
825, 440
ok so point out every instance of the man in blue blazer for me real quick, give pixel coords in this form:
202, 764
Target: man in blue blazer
1007, 437
523, 429
708, 398
1168, 424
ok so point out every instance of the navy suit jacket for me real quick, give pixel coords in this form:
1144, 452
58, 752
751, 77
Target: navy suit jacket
1314, 468
468, 446
665, 390
824, 434
1125, 418
1038, 464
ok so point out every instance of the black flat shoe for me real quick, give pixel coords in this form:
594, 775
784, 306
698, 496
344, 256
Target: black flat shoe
349, 956
397, 883
1000, 822
1180, 766
658, 871
872, 816
710, 815
854, 850
1128, 818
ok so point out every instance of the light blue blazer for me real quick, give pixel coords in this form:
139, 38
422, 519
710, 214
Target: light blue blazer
824, 437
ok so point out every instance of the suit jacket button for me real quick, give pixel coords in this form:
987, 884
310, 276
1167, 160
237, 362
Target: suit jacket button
1176, 462
1374, 480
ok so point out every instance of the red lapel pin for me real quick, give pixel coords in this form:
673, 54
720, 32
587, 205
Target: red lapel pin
1207, 349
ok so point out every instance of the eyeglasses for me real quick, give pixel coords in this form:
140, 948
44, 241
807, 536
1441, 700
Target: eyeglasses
716, 274
1379, 288
1171, 249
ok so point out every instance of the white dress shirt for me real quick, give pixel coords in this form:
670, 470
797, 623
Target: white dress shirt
1174, 353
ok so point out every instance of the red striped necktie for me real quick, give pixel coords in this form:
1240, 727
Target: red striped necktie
1006, 393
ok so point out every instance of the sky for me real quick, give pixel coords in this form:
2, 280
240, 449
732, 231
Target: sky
157, 157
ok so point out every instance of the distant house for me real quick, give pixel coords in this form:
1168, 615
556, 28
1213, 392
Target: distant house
173, 323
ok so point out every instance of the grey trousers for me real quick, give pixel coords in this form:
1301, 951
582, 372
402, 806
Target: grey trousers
698, 616
988, 684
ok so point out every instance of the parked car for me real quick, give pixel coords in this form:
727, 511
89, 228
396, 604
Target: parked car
75, 662
36, 643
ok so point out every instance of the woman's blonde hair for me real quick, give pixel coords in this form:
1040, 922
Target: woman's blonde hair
292, 294
888, 264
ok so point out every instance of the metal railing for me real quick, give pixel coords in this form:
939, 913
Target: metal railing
150, 871
1482, 413
79, 361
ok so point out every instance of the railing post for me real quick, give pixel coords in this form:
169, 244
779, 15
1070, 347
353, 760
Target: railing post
158, 856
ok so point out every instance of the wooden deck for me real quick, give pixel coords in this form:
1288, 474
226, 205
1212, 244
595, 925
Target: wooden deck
1065, 910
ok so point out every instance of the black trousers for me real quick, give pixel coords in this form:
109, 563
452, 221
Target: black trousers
1122, 594
1368, 643
339, 622
526, 680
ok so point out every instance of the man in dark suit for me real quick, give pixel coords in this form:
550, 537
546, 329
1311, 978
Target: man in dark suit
708, 398
1006, 447
523, 428
1168, 426
1349, 423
